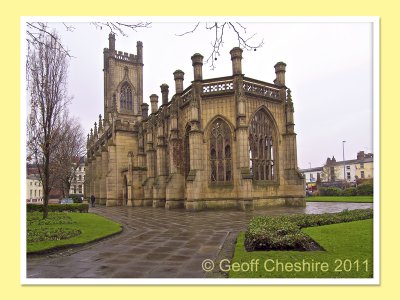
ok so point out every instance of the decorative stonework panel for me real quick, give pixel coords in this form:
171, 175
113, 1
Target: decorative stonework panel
219, 87
257, 89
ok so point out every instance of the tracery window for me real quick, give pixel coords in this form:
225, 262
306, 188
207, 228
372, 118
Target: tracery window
261, 141
220, 152
126, 97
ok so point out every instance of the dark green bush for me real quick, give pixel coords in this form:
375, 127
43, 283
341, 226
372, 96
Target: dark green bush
330, 191
283, 232
76, 207
274, 233
351, 191
365, 189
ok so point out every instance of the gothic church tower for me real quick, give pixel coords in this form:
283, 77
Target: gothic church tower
123, 82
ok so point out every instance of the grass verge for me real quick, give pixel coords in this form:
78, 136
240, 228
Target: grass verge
355, 199
91, 227
348, 254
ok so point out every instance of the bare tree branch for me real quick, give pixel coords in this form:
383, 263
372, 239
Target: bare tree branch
68, 27
118, 27
219, 31
34, 32
243, 42
191, 31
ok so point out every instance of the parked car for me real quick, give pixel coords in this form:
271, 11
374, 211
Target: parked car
67, 201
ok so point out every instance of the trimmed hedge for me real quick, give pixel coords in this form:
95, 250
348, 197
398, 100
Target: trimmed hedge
76, 207
330, 191
284, 232
351, 191
275, 233
366, 189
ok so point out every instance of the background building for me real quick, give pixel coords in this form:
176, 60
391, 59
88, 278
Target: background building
311, 176
355, 170
34, 189
78, 182
33, 176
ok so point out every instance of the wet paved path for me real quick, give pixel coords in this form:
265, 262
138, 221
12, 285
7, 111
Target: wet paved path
159, 243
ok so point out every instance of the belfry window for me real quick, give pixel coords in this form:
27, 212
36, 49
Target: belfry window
126, 97
220, 152
262, 163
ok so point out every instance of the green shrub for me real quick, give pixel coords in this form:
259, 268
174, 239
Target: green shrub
351, 191
76, 207
330, 191
283, 232
275, 233
366, 189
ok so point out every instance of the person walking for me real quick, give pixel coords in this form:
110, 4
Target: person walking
92, 200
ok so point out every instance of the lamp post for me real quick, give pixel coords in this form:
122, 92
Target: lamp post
344, 164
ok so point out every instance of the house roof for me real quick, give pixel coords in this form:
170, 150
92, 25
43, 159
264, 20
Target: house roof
33, 176
317, 169
353, 161
340, 163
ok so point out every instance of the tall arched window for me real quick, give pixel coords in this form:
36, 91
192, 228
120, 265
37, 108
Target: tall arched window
126, 97
261, 141
220, 152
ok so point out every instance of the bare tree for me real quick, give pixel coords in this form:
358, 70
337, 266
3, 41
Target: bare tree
47, 84
68, 153
330, 173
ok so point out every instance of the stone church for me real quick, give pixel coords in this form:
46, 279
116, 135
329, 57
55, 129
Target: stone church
225, 142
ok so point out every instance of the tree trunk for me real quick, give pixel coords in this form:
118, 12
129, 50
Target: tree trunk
46, 183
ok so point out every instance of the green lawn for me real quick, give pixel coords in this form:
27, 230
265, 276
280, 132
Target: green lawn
357, 199
91, 227
348, 254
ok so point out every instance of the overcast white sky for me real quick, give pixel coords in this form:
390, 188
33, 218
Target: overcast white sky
329, 70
